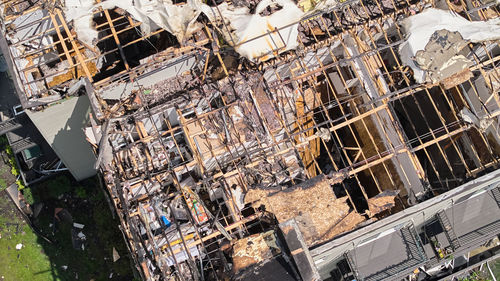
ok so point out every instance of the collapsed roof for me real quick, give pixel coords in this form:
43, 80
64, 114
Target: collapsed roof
210, 121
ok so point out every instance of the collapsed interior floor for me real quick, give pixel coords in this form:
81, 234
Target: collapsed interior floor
190, 136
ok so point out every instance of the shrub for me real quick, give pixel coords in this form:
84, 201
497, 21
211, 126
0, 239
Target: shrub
476, 276
20, 184
12, 162
3, 141
58, 186
80, 192
14, 171
28, 195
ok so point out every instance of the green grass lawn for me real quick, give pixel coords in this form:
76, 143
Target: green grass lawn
41, 260
29, 263
58, 260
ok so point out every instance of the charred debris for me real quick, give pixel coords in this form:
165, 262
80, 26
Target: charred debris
234, 136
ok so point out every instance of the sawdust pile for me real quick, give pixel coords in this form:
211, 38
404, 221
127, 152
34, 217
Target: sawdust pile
381, 202
253, 250
319, 214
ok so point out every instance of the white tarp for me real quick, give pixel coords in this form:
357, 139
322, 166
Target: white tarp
180, 20
81, 12
255, 35
420, 28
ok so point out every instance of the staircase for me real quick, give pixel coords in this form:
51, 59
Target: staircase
448, 229
23, 144
412, 256
496, 194
413, 243
351, 264
9, 125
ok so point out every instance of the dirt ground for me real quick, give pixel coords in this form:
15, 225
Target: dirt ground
6, 177
7, 208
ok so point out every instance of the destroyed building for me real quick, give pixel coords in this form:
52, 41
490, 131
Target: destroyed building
273, 139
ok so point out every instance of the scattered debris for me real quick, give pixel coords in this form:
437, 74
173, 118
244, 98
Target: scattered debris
482, 124
441, 58
492, 79
63, 215
254, 249
37, 209
78, 225
56, 212
312, 204
267, 42
381, 202
324, 134
441, 35
81, 235
78, 239
116, 256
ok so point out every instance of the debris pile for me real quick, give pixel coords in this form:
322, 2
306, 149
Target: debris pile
435, 46
312, 204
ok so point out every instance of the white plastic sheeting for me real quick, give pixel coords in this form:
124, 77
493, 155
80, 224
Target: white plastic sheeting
80, 11
256, 36
253, 35
179, 19
420, 28
482, 124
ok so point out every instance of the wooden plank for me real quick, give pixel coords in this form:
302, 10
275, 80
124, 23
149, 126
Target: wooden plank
115, 36
141, 129
370, 164
190, 141
62, 40
347, 122
217, 233
75, 47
